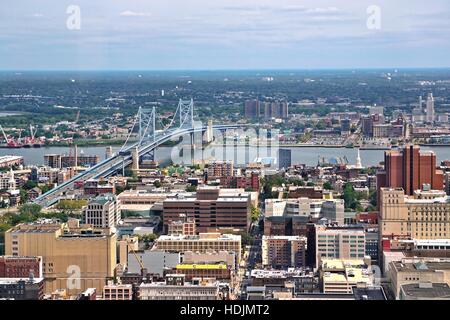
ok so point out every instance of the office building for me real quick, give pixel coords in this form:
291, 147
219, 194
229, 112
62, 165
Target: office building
66, 249
203, 243
210, 208
102, 212
426, 215
410, 169
339, 243
284, 251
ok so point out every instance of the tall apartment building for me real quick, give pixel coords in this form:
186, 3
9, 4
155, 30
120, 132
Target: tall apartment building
275, 109
218, 169
102, 212
74, 258
252, 109
410, 169
203, 243
284, 251
426, 215
339, 243
210, 208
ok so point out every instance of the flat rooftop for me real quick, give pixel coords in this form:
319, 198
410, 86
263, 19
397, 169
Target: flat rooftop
427, 291
422, 266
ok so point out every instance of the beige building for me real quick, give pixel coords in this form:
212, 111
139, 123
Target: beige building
426, 215
340, 276
118, 292
418, 270
175, 288
74, 258
339, 243
203, 243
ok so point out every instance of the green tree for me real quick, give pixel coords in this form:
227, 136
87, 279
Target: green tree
191, 188
255, 213
328, 186
351, 198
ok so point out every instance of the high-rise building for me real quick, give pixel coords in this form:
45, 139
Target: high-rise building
284, 158
276, 109
410, 169
430, 108
252, 109
422, 216
102, 212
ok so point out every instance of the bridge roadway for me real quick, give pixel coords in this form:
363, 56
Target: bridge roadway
109, 166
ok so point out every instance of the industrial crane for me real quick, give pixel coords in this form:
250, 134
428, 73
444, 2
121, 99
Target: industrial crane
141, 264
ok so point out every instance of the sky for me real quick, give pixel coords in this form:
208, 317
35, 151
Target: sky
223, 34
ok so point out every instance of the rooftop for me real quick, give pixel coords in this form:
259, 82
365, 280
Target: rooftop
426, 290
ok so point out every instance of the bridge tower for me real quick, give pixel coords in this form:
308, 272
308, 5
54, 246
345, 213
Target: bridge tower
186, 109
147, 124
147, 128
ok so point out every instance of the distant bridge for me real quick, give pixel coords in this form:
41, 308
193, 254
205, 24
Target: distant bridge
149, 139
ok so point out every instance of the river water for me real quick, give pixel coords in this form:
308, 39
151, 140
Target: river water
308, 156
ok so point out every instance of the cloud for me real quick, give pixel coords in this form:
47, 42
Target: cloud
129, 13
